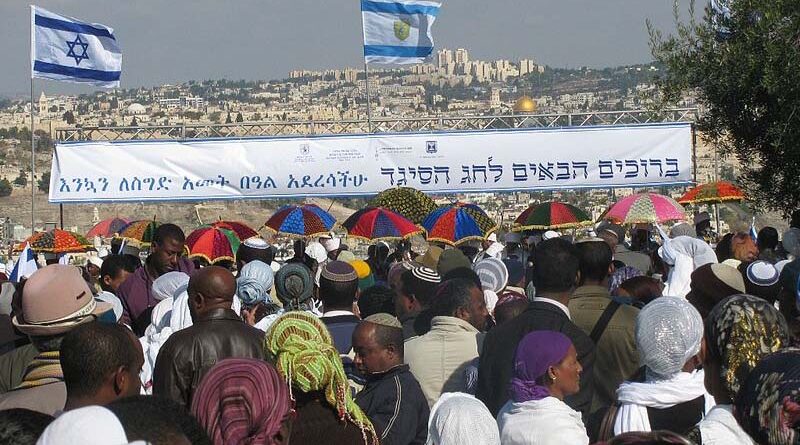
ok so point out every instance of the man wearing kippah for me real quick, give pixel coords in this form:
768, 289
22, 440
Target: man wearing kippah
392, 397
338, 289
412, 303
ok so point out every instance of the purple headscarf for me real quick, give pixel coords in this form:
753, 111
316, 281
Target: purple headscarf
536, 353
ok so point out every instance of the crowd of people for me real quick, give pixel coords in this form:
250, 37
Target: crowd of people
615, 336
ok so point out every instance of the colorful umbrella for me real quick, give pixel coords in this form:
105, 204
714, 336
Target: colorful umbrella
142, 231
108, 227
407, 201
551, 215
376, 223
56, 241
242, 230
646, 208
458, 223
712, 193
213, 244
305, 220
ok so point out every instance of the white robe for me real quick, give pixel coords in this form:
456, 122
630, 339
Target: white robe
548, 421
719, 427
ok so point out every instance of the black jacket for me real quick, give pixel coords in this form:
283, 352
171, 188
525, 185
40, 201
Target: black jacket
497, 357
395, 404
189, 353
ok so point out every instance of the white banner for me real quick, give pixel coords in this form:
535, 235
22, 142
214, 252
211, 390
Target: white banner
352, 165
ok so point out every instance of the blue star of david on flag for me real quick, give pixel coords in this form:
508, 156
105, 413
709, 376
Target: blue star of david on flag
61, 47
71, 52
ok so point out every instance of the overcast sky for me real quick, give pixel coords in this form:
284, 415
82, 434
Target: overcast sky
171, 41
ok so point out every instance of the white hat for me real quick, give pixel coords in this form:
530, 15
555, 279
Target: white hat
316, 251
492, 237
95, 260
90, 425
330, 244
550, 234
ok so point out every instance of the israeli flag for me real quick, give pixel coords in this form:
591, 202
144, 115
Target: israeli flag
66, 49
398, 31
25, 267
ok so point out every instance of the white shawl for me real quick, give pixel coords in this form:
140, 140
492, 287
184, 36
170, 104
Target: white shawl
548, 421
636, 397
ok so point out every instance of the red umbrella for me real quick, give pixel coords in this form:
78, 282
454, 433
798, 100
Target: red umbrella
376, 223
213, 244
712, 193
56, 241
242, 230
108, 227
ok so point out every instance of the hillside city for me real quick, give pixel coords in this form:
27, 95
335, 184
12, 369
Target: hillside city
453, 84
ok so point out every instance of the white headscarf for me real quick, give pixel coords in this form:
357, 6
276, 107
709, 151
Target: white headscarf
254, 283
461, 419
90, 425
165, 286
669, 331
683, 255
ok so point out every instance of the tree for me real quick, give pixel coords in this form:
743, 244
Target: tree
21, 179
743, 69
69, 118
228, 119
239, 117
44, 182
5, 187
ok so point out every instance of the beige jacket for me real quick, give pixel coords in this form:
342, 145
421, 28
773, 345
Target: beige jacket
440, 358
47, 399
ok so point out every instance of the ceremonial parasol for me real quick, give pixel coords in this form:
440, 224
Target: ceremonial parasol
712, 193
213, 244
142, 231
56, 241
242, 230
646, 208
551, 215
407, 201
305, 220
107, 227
376, 223
458, 223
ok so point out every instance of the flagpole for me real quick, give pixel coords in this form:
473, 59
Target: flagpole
33, 157
369, 101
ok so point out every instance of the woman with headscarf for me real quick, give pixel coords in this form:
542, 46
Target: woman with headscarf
294, 287
461, 419
546, 369
739, 332
243, 401
253, 286
682, 256
304, 354
672, 395
744, 248
768, 404
164, 288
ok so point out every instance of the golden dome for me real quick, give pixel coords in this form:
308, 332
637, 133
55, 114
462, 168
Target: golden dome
525, 105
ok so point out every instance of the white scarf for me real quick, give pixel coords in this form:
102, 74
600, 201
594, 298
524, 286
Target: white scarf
637, 397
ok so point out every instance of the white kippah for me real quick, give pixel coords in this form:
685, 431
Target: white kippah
256, 243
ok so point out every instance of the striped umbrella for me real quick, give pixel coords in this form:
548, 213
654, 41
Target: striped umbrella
712, 193
376, 224
141, 231
407, 201
108, 227
305, 221
551, 215
213, 244
56, 241
458, 223
643, 208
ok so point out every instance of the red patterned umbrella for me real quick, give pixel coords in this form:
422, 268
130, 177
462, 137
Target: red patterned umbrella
644, 208
376, 224
56, 241
108, 227
712, 193
305, 220
213, 244
551, 215
458, 223
242, 230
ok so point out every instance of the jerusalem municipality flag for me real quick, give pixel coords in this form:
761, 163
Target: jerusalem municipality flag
398, 31
63, 48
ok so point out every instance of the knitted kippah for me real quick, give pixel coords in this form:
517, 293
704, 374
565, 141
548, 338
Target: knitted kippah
256, 243
384, 319
338, 271
426, 274
762, 273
